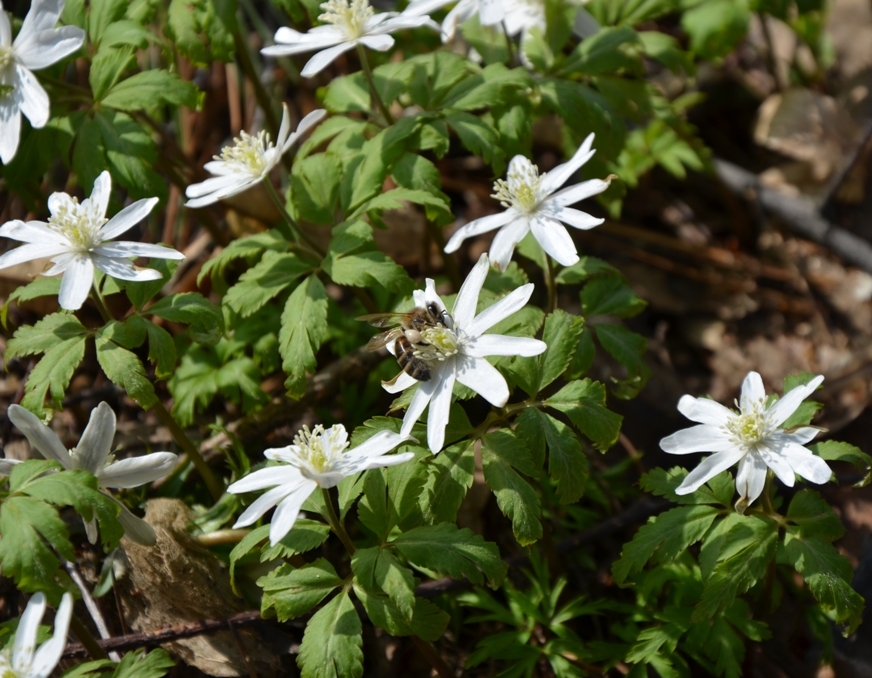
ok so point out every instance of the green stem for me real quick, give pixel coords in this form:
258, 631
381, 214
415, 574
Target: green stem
101, 304
86, 639
336, 523
510, 46
296, 233
212, 483
367, 72
767, 496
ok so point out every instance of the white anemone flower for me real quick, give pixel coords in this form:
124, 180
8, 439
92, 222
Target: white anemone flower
77, 236
248, 161
347, 23
490, 13
38, 44
93, 453
25, 661
750, 437
318, 458
533, 203
457, 352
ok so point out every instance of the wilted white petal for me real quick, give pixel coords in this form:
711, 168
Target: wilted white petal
135, 529
96, 442
136, 471
40, 436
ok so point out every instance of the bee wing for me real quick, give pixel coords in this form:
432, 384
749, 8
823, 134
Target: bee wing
381, 319
383, 339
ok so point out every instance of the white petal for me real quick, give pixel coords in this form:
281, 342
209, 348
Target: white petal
124, 249
781, 410
76, 283
123, 269
101, 193
270, 476
48, 47
265, 502
389, 460
491, 12
459, 14
305, 125
576, 218
60, 201
421, 399
135, 528
32, 99
6, 466
479, 226
380, 42
6, 30
127, 218
221, 188
10, 128
704, 410
28, 231
511, 303
561, 174
136, 471
751, 478
708, 468
287, 511
578, 192
401, 383
422, 7
61, 263
554, 239
32, 251
752, 389
375, 446
400, 22
96, 442
40, 436
91, 530
437, 415
467, 297
702, 438
291, 42
807, 464
800, 436
324, 58
505, 241
774, 460
483, 378
497, 344
43, 15
49, 654
25, 636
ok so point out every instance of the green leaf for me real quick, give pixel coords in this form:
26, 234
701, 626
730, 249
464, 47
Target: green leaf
314, 190
293, 592
493, 85
610, 295
667, 535
125, 369
148, 89
478, 137
304, 329
130, 152
567, 464
41, 287
454, 552
828, 575
605, 52
584, 402
243, 248
376, 569
814, 517
450, 475
129, 333
140, 293
716, 27
348, 94
428, 620
191, 308
662, 483
202, 29
161, 351
832, 450
585, 268
103, 13
561, 334
373, 507
273, 274
501, 454
126, 32
354, 260
331, 646
396, 198
746, 552
628, 348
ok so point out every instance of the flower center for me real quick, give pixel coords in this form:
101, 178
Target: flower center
751, 424
440, 343
7, 57
321, 449
521, 190
6, 670
350, 16
80, 224
248, 152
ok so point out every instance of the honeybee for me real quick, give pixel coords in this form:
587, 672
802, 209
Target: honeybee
405, 337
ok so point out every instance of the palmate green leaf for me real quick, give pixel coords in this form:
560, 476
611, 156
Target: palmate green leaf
348, 94
454, 552
628, 348
202, 30
396, 198
129, 333
605, 52
274, 273
354, 260
243, 248
502, 453
745, 554
148, 89
127, 32
107, 66
478, 137
373, 506
129, 151
492, 86
103, 13
561, 334
428, 620
610, 294
191, 308
716, 27
662, 483
314, 189
331, 646
377, 569
41, 287
828, 575
125, 369
292, 592
585, 268
304, 329
567, 463
584, 402
450, 475
161, 351
814, 517
135, 664
61, 338
666, 535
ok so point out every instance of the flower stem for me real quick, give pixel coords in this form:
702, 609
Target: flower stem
212, 483
767, 495
510, 46
336, 523
101, 304
367, 72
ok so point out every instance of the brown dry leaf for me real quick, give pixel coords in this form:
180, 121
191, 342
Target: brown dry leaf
177, 582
